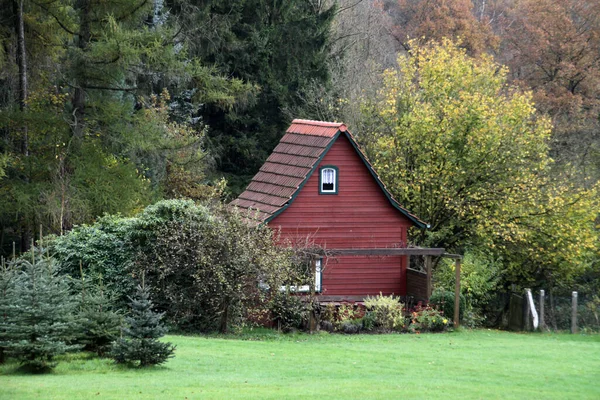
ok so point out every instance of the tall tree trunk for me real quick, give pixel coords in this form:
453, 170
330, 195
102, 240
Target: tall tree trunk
83, 40
22, 65
21, 58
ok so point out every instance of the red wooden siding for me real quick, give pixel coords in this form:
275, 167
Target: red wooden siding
359, 216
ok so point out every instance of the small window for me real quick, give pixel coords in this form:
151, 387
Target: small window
328, 180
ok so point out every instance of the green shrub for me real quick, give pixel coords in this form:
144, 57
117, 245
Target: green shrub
327, 326
369, 321
387, 311
205, 269
427, 319
288, 312
480, 277
350, 326
346, 312
443, 300
101, 250
203, 263
328, 313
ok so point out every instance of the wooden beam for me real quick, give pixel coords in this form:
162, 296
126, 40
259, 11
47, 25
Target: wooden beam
574, 312
450, 255
428, 271
409, 251
313, 320
340, 298
457, 293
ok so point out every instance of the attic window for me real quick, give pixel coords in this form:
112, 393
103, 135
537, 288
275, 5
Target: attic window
328, 180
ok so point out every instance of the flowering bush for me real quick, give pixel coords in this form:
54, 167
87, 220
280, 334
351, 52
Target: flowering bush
427, 319
348, 312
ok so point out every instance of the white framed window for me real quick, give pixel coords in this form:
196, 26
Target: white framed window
328, 180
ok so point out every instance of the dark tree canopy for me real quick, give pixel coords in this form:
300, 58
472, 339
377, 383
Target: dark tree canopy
280, 47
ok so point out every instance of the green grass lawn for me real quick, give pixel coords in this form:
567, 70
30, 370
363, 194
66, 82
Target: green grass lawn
463, 365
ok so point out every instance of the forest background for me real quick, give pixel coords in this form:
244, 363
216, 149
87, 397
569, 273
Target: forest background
109, 106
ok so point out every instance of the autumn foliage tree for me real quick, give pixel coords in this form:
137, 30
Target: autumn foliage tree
433, 20
467, 152
554, 48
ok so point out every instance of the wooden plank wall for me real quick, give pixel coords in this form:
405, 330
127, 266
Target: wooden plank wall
416, 285
359, 216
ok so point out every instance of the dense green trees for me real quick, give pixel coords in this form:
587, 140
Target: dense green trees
98, 118
110, 97
280, 47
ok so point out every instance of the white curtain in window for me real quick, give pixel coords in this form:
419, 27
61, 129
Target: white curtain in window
328, 176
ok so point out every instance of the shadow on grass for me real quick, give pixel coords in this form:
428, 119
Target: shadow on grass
14, 368
78, 363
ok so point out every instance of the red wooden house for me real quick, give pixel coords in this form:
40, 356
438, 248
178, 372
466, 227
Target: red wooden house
318, 182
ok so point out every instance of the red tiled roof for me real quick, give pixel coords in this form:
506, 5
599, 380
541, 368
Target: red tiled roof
291, 163
287, 167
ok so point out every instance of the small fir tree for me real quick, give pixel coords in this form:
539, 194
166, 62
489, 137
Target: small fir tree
37, 324
100, 324
6, 280
141, 346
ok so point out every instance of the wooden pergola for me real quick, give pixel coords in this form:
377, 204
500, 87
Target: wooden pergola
426, 252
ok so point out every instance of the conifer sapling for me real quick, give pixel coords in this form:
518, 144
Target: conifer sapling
37, 317
140, 345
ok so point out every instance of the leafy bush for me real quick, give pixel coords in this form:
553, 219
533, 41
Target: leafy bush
351, 326
328, 313
369, 321
102, 250
387, 311
202, 262
111, 247
443, 300
425, 319
348, 312
480, 276
327, 326
288, 312
206, 267
141, 346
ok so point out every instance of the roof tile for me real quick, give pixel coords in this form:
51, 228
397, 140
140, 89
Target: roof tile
306, 140
281, 169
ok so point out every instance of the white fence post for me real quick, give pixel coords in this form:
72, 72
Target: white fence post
532, 308
542, 300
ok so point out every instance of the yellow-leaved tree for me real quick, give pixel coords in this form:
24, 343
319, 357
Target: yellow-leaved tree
467, 152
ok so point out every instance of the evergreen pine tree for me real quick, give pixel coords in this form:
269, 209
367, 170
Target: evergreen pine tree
100, 324
37, 325
144, 328
6, 280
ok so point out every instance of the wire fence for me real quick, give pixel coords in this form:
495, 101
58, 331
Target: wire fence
577, 312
